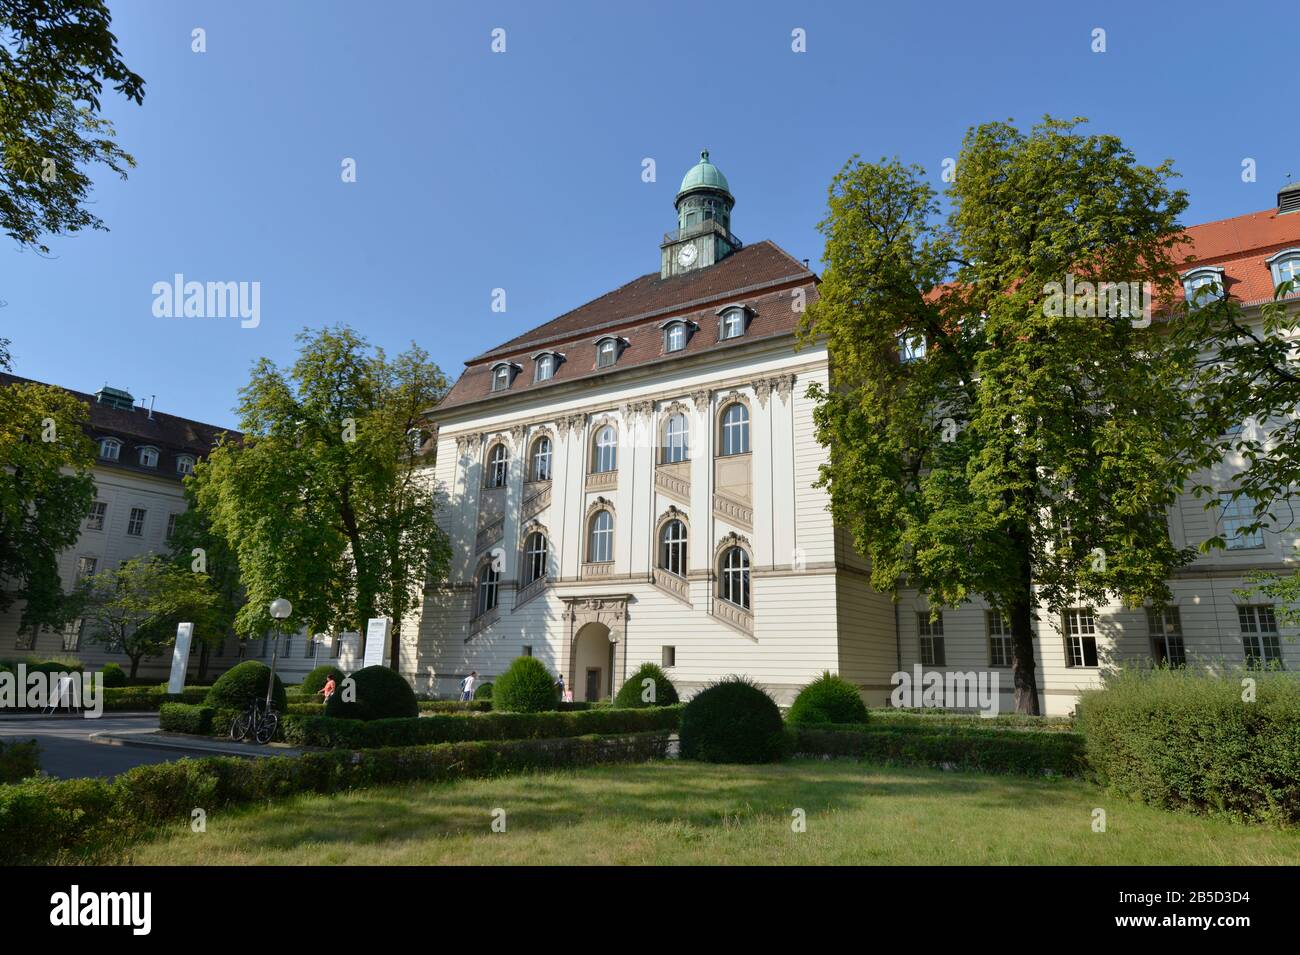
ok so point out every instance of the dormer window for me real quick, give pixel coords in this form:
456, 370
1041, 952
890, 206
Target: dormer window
607, 350
544, 365
733, 320
1286, 268
148, 457
1199, 286
503, 375
184, 464
676, 335
110, 449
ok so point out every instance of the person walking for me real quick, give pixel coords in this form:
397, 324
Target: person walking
467, 686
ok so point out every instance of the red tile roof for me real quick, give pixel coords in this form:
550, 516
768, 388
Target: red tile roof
761, 276
1241, 246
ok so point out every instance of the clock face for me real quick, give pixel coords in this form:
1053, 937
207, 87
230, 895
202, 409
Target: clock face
687, 255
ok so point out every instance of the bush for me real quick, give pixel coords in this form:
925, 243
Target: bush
114, 676
18, 760
242, 683
315, 681
732, 721
455, 706
828, 699
660, 688
483, 692
186, 718
932, 717
946, 747
129, 698
381, 693
1186, 740
526, 687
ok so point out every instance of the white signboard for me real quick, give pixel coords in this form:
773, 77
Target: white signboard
180, 657
377, 630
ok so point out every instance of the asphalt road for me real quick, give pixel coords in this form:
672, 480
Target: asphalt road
67, 750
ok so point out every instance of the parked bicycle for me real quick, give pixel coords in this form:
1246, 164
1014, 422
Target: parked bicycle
258, 721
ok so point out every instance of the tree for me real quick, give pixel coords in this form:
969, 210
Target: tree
136, 607
1028, 452
326, 500
195, 547
55, 57
46, 489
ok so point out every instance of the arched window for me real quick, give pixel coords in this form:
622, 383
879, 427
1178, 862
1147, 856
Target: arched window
148, 457
489, 579
539, 465
1199, 286
534, 557
501, 376
605, 453
676, 439
734, 574
1286, 267
675, 337
735, 429
545, 367
600, 539
184, 464
733, 324
498, 466
606, 352
109, 448
672, 548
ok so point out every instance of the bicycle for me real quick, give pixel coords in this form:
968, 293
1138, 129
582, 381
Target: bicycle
259, 721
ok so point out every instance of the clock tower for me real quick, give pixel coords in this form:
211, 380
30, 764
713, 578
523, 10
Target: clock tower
703, 235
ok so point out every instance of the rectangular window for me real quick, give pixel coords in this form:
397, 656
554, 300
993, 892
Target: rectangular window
171, 525
86, 566
135, 526
95, 520
999, 640
528, 650
72, 635
911, 348
669, 656
1166, 629
1259, 635
931, 644
1080, 637
1236, 515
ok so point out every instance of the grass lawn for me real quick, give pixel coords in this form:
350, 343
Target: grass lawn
675, 813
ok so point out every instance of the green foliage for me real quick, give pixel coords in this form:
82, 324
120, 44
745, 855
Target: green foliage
732, 721
455, 706
44, 821
323, 500
46, 486
18, 760
240, 684
114, 676
55, 57
527, 686
1028, 439
217, 563
636, 691
936, 717
134, 608
484, 692
946, 746
1196, 742
828, 699
381, 693
315, 681
144, 698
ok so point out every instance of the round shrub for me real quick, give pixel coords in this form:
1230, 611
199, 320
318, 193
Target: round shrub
732, 721
633, 692
526, 687
828, 699
241, 683
114, 675
380, 694
315, 681
484, 692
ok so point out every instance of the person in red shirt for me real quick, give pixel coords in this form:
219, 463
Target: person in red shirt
328, 688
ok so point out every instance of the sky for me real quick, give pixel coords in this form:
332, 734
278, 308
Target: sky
523, 170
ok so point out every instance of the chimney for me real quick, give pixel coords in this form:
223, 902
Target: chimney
1288, 198
151, 401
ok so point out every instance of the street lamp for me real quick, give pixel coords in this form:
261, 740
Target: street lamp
280, 610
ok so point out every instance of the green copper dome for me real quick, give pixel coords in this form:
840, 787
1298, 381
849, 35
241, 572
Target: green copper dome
704, 175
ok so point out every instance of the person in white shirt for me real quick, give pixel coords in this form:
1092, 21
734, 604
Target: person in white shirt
467, 686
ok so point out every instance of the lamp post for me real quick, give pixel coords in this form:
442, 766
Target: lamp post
280, 610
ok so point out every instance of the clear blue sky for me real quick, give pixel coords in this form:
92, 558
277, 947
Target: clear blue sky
522, 170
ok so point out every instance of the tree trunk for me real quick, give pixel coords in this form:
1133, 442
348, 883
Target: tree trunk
1023, 668
395, 644
203, 663
135, 665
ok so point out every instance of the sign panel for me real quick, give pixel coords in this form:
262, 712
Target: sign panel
377, 632
180, 657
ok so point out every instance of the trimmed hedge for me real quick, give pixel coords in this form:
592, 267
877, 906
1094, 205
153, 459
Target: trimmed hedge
129, 698
325, 731
45, 821
315, 681
634, 688
18, 760
526, 687
732, 721
828, 699
1187, 741
242, 683
1003, 721
381, 693
455, 706
483, 691
114, 676
946, 747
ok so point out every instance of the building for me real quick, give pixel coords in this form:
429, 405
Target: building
634, 481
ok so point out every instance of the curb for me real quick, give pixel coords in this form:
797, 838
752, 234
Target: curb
65, 717
193, 744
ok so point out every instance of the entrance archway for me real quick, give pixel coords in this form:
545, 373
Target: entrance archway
593, 663
596, 649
